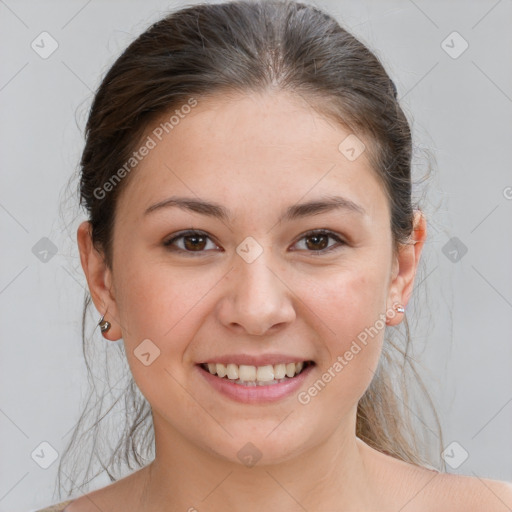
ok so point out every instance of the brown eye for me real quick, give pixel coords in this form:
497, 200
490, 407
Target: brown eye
193, 242
318, 241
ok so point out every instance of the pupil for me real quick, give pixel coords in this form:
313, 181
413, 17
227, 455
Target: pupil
195, 238
316, 237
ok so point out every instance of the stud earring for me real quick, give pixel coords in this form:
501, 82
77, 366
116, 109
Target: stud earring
399, 308
104, 325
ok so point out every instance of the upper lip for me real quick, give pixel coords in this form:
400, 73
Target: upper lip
261, 360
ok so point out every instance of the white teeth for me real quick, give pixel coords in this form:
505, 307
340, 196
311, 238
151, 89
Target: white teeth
221, 370
246, 372
253, 375
290, 369
265, 373
232, 371
279, 371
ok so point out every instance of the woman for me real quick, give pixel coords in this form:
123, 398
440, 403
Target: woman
251, 234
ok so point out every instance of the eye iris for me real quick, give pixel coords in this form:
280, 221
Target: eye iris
196, 242
315, 238
195, 238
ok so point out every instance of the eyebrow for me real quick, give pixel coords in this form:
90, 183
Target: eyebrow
296, 211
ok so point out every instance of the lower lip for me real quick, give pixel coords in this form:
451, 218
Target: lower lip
256, 394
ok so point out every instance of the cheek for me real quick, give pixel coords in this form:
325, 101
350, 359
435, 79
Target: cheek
346, 302
159, 310
163, 304
351, 308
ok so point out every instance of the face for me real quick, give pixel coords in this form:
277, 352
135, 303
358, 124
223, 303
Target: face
261, 281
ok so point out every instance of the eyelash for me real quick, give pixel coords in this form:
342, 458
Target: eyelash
185, 234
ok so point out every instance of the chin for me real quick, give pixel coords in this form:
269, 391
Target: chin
260, 448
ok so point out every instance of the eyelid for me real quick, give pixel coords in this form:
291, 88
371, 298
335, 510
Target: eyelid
340, 242
183, 234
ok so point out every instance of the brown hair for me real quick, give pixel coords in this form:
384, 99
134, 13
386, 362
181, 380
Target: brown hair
245, 46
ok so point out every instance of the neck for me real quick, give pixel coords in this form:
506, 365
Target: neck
330, 475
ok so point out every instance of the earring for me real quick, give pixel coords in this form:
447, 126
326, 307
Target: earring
399, 308
104, 325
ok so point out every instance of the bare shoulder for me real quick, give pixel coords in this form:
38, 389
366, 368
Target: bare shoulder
57, 507
121, 495
95, 500
411, 488
468, 493
425, 490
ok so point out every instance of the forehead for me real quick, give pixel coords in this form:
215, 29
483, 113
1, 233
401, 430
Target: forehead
261, 149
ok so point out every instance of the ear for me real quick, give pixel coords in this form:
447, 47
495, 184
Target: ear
405, 266
99, 279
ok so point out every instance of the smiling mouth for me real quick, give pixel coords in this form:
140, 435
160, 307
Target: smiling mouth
247, 375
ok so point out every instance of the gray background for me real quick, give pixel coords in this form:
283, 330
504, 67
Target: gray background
460, 108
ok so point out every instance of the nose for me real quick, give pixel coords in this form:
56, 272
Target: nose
256, 298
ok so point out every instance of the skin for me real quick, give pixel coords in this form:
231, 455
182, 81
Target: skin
256, 155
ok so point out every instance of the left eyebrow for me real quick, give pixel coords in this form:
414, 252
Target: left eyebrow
296, 211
